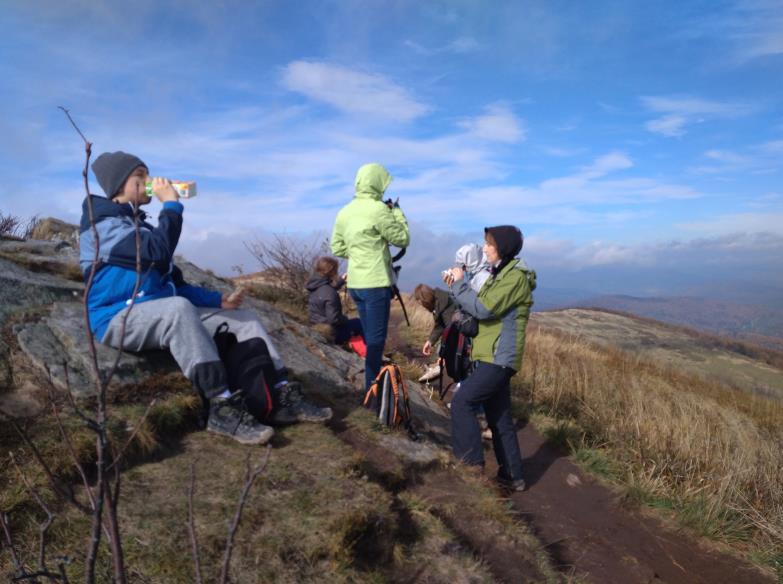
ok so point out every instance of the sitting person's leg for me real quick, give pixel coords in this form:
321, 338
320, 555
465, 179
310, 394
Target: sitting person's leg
290, 405
345, 330
174, 324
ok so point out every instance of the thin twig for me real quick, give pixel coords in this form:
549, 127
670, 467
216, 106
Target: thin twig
66, 494
10, 542
192, 526
100, 421
44, 527
69, 445
250, 478
138, 427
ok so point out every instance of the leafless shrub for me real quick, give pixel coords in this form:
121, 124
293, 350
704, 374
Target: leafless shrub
287, 262
14, 227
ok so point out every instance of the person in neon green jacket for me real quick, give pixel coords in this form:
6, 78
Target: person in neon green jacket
363, 231
502, 307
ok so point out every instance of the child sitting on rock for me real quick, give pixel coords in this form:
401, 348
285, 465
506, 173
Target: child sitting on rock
168, 313
326, 309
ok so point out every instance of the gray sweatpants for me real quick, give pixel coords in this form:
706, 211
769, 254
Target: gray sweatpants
186, 331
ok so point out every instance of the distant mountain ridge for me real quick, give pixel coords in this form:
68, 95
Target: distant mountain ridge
756, 324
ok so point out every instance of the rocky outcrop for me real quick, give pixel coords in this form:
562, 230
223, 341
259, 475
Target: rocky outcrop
42, 315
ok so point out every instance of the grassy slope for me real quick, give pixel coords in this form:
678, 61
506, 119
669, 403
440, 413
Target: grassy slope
333, 505
681, 349
673, 439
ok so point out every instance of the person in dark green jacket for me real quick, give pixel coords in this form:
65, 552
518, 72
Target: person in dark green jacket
502, 308
363, 231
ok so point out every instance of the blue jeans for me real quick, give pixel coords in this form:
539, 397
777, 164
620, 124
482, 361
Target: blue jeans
373, 305
488, 386
346, 329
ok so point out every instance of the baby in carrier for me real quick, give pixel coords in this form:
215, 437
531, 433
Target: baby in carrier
471, 259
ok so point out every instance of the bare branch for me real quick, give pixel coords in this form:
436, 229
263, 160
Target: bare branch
19, 569
192, 525
69, 445
138, 427
44, 527
250, 478
65, 492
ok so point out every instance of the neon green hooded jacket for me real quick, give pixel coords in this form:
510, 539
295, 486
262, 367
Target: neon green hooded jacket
365, 228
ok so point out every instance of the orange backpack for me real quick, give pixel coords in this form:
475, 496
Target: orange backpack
388, 398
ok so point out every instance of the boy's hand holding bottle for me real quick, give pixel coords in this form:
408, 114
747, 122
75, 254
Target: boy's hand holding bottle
163, 190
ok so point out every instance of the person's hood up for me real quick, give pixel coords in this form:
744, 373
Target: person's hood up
316, 282
470, 256
372, 180
508, 240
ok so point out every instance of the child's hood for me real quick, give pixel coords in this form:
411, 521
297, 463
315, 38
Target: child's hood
316, 282
470, 256
372, 180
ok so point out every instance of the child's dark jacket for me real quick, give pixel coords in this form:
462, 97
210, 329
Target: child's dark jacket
324, 301
442, 313
115, 277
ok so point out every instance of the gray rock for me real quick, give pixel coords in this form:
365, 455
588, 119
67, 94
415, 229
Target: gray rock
52, 229
32, 276
27, 281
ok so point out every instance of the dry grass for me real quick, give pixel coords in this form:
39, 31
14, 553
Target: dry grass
712, 453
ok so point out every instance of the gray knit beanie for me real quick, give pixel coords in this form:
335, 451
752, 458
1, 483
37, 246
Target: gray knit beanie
112, 169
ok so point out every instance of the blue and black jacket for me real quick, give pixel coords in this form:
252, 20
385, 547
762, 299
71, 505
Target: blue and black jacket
115, 273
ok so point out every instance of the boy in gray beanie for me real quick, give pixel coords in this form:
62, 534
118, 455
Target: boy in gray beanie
167, 312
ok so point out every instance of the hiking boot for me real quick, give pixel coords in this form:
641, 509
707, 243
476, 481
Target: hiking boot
228, 417
291, 407
431, 373
516, 485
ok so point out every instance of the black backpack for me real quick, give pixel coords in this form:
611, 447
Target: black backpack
455, 348
388, 398
249, 369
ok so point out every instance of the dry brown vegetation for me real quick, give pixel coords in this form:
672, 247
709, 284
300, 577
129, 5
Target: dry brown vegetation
710, 452
754, 351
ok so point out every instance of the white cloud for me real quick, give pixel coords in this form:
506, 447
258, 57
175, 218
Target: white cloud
755, 28
459, 46
498, 124
765, 158
771, 222
352, 91
679, 112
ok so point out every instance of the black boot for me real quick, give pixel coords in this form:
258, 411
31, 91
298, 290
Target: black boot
292, 407
228, 417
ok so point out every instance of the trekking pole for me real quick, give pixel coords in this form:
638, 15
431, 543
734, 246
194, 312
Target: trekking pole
396, 293
395, 290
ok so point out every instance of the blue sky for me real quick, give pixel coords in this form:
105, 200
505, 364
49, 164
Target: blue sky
639, 146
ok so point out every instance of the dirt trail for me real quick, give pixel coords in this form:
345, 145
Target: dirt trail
592, 536
588, 531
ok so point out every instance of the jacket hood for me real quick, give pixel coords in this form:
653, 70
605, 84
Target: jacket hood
470, 256
508, 239
372, 180
316, 282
